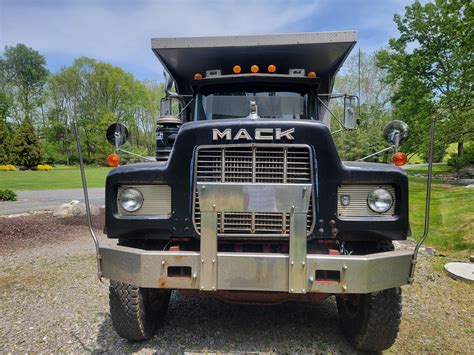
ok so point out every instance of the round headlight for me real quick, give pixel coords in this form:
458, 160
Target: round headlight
131, 199
380, 200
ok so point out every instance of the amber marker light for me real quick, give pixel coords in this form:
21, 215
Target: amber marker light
113, 160
272, 68
198, 76
399, 159
237, 69
312, 74
254, 68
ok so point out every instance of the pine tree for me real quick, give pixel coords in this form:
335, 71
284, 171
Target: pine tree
27, 147
5, 143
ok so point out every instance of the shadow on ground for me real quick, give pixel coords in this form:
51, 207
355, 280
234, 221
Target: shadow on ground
195, 324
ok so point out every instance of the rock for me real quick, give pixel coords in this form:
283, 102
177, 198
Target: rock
74, 209
467, 172
470, 186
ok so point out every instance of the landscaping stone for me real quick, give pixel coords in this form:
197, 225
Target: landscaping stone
467, 172
74, 209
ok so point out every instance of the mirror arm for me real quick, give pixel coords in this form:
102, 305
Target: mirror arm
327, 108
134, 154
376, 153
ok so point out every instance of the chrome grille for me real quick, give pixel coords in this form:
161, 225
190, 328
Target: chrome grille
253, 164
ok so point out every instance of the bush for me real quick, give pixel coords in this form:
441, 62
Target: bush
460, 162
7, 167
44, 167
7, 195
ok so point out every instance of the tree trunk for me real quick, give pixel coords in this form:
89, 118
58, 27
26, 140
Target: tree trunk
460, 149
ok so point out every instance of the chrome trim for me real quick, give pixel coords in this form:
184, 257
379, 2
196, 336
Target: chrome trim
156, 201
259, 145
358, 208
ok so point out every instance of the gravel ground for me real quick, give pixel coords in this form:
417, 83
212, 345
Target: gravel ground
52, 301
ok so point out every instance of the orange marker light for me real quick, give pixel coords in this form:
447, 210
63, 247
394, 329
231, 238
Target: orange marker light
113, 160
312, 74
399, 159
272, 68
237, 69
198, 76
254, 68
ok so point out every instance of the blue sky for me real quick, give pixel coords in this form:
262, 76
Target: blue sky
119, 31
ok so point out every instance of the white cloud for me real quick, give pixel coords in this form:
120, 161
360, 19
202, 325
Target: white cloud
120, 31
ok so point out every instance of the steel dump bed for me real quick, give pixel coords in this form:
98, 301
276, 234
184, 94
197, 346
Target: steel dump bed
322, 52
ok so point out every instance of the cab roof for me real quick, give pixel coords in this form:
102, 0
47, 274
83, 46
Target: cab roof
322, 52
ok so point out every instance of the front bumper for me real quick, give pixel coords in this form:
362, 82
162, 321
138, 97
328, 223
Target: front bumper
257, 271
296, 272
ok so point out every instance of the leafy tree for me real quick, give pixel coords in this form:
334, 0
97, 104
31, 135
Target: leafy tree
24, 74
5, 133
27, 148
431, 65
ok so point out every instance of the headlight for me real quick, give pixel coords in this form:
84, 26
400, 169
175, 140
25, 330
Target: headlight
380, 200
131, 199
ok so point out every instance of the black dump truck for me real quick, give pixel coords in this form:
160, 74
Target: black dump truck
247, 199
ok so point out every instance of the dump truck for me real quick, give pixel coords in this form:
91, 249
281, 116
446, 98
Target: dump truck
248, 200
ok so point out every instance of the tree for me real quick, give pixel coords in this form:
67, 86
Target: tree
5, 133
431, 65
24, 74
27, 148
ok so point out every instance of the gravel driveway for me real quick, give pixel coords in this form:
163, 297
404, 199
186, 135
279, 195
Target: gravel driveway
52, 301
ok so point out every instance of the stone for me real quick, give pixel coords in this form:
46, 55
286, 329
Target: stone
74, 208
461, 271
467, 172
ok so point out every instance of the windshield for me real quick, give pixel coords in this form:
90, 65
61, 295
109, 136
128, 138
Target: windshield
276, 104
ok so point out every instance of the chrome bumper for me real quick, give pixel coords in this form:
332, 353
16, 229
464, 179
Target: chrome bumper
257, 272
295, 272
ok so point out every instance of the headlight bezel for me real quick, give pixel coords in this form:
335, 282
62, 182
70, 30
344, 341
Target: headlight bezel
137, 193
383, 196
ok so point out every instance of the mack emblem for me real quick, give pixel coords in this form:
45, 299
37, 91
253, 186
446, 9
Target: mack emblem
261, 134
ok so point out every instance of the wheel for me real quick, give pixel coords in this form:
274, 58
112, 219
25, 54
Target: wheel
136, 312
371, 321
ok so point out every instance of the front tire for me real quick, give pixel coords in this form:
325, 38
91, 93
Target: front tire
136, 312
371, 321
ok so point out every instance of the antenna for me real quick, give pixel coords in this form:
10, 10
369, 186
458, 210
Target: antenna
359, 85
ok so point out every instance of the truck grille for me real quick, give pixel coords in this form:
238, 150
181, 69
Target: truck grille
253, 164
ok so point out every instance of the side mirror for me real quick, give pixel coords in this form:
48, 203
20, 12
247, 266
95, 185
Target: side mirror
117, 134
349, 112
395, 132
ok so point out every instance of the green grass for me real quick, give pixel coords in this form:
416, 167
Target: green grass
62, 177
452, 218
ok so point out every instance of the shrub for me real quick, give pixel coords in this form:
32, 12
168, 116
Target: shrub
460, 162
44, 167
7, 167
7, 195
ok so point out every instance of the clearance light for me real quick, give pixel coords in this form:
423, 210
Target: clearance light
399, 159
113, 160
312, 74
272, 68
237, 69
254, 68
198, 76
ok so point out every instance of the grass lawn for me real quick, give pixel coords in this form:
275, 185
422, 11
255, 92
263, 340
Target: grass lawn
61, 177
452, 218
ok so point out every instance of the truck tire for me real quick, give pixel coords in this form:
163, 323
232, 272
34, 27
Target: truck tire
136, 312
371, 321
